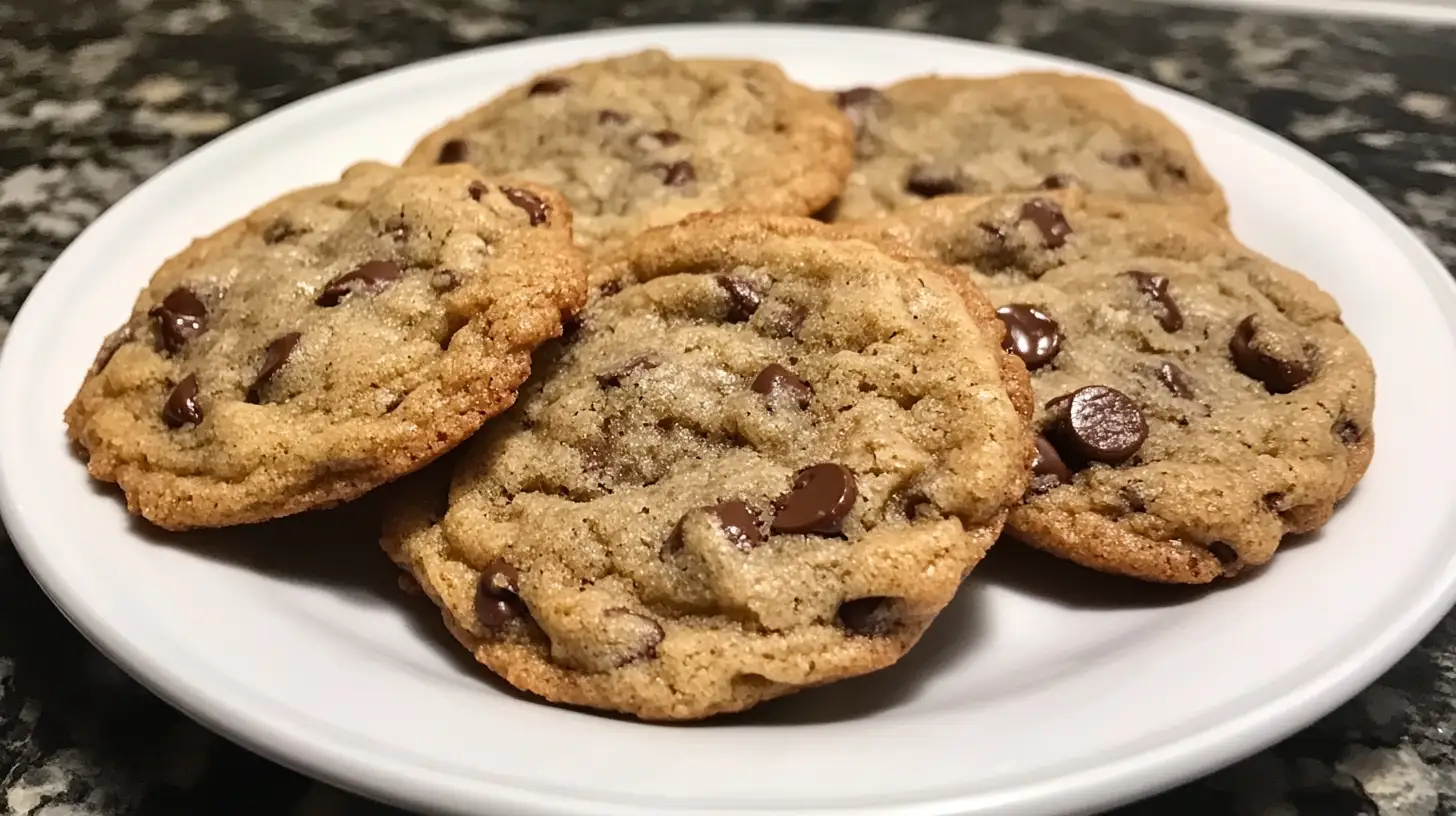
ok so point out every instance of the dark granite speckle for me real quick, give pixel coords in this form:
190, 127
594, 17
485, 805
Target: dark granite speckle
97, 96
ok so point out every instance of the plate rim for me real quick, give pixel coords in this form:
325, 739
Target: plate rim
1144, 773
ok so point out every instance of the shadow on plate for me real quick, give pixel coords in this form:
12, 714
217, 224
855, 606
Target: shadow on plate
1028, 571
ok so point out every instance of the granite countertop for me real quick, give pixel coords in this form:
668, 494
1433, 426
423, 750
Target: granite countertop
97, 96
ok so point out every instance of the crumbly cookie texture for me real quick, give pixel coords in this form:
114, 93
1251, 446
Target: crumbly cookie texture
335, 339
933, 136
1191, 414
644, 140
765, 465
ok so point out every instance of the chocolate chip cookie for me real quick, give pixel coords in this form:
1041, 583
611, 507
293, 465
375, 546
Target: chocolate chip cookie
1191, 413
644, 140
1016, 237
766, 466
333, 340
934, 136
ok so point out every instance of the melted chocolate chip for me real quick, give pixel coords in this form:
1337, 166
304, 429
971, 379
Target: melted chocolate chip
1048, 218
180, 317
1030, 334
867, 617
614, 378
477, 190
739, 523
274, 357
1058, 181
676, 174
1098, 424
452, 152
743, 298
775, 380
536, 209
370, 276
1155, 287
1173, 379
666, 137
546, 86
822, 496
1126, 160
857, 103
611, 118
1048, 470
181, 407
646, 632
1348, 432
497, 601
1253, 359
927, 183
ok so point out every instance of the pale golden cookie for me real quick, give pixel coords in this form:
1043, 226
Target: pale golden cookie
335, 339
766, 466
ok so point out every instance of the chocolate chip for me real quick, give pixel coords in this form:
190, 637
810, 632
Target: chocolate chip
1048, 470
743, 298
1058, 181
536, 209
273, 359
111, 345
1348, 432
645, 633
609, 288
370, 276
676, 174
477, 190
822, 496
927, 183
857, 103
397, 228
497, 601
180, 317
452, 152
279, 231
774, 380
739, 523
1098, 424
614, 378
1155, 287
1255, 359
181, 407
666, 137
867, 617
1126, 160
1225, 554
1048, 218
611, 118
1177, 172
1173, 379
547, 86
1030, 334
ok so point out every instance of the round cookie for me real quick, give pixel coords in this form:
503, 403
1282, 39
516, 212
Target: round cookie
933, 136
1016, 237
1191, 413
333, 340
643, 140
766, 466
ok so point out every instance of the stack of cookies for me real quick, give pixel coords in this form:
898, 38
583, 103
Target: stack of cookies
706, 449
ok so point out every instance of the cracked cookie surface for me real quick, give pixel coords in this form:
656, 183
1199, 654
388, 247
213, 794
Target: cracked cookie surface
644, 140
933, 136
332, 340
766, 465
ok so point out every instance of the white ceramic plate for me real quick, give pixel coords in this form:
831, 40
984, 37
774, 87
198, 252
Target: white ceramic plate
1042, 690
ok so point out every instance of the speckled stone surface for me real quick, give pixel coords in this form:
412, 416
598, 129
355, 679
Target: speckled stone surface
97, 96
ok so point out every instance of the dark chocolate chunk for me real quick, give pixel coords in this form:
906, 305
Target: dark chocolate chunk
1257, 360
1155, 287
928, 183
743, 298
614, 378
1048, 218
181, 407
274, 358
1177, 382
822, 496
1030, 334
777, 381
180, 317
676, 174
739, 523
370, 276
536, 210
497, 601
1098, 424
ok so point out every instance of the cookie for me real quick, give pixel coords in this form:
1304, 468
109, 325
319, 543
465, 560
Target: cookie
643, 140
1016, 237
1191, 413
933, 136
766, 466
333, 340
